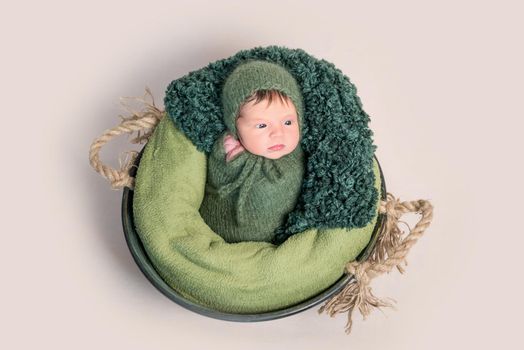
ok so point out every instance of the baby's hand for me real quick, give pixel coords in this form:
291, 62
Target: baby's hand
232, 147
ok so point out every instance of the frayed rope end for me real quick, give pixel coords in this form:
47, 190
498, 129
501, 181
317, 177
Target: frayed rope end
390, 251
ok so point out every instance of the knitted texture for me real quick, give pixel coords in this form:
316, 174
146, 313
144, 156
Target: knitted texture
247, 198
252, 76
337, 190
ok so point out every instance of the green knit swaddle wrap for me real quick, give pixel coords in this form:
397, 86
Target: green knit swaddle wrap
247, 198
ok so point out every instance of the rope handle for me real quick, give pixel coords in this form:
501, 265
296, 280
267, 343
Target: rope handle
390, 251
143, 123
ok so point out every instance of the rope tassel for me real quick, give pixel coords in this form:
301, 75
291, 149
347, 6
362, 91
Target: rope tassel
356, 295
389, 252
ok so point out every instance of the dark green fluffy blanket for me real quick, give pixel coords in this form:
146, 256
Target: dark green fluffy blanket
338, 188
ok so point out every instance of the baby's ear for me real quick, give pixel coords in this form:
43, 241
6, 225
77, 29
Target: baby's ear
230, 142
229, 137
232, 147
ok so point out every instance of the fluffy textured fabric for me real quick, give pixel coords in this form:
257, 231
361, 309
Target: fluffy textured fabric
337, 190
247, 277
249, 197
253, 76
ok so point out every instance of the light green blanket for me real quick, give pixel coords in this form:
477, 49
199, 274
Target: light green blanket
246, 277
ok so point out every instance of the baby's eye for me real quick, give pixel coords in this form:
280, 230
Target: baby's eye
260, 126
288, 122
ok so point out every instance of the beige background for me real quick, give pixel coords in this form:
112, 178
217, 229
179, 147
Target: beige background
441, 80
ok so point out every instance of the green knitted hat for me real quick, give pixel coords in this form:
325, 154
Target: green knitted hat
252, 76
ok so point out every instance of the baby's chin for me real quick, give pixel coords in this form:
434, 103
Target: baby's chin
273, 156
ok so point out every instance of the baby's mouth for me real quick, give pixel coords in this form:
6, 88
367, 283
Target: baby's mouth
276, 147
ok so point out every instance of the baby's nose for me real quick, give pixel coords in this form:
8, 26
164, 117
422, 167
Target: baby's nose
277, 130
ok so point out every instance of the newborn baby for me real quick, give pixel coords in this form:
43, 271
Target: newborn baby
256, 167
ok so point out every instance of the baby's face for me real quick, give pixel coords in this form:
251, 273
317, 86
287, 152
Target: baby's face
270, 131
